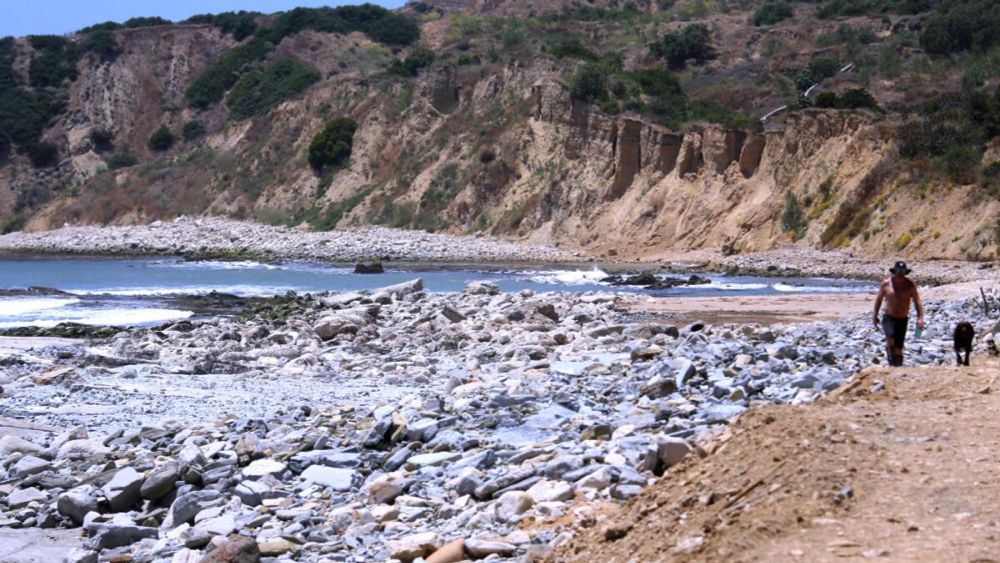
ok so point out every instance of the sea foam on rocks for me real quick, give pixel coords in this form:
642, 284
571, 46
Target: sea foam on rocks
409, 432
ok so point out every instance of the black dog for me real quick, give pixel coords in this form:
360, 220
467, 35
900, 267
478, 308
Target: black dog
964, 335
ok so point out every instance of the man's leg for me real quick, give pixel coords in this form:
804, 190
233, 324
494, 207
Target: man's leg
897, 356
890, 348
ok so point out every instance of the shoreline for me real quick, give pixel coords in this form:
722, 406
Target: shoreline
226, 239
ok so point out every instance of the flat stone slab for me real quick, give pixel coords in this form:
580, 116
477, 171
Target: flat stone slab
34, 545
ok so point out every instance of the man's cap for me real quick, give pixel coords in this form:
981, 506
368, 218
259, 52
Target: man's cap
900, 268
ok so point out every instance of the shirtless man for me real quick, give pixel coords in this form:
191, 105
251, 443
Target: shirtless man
897, 291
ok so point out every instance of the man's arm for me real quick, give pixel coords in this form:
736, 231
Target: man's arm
919, 306
878, 303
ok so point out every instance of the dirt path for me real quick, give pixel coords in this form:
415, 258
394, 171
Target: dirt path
779, 309
899, 465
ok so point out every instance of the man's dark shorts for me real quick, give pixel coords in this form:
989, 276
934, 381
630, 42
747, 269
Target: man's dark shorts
895, 328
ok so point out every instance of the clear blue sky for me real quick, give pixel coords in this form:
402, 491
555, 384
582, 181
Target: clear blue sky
39, 17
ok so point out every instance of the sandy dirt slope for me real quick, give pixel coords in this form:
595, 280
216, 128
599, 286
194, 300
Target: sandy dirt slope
899, 465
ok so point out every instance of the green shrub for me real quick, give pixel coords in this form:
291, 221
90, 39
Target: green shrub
793, 220
676, 48
418, 59
857, 98
54, 61
961, 164
102, 138
563, 47
833, 8
212, 85
162, 139
240, 24
120, 160
146, 22
192, 130
590, 83
102, 43
257, 93
962, 25
42, 154
772, 12
823, 67
378, 23
332, 145
825, 100
104, 26
847, 34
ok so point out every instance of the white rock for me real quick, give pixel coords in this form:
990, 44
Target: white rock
512, 504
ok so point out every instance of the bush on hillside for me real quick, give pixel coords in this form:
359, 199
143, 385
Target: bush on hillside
962, 25
102, 138
772, 12
676, 48
152, 21
793, 218
332, 145
240, 24
54, 61
192, 130
256, 93
563, 47
120, 160
42, 154
102, 43
162, 139
376, 22
590, 83
857, 98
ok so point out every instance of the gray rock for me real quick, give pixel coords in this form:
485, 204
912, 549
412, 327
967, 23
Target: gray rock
123, 490
550, 491
481, 288
76, 503
671, 451
29, 465
109, 536
187, 505
658, 387
19, 498
430, 460
480, 549
336, 478
160, 481
263, 467
83, 449
251, 492
512, 504
486, 490
10, 444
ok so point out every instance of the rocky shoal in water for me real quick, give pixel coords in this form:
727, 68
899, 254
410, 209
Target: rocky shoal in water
215, 238
395, 424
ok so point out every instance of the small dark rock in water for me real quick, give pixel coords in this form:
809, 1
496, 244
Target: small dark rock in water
695, 279
369, 268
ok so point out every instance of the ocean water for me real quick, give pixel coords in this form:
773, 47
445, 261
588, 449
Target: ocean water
137, 292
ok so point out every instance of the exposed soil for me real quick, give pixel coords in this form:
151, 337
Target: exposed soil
899, 465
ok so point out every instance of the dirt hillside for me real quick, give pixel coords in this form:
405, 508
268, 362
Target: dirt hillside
900, 465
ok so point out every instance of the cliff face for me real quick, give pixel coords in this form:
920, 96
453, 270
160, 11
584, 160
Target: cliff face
496, 147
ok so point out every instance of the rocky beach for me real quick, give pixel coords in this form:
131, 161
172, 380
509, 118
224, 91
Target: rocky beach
393, 424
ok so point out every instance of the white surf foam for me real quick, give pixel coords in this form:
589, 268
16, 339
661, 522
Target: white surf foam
567, 277
21, 306
733, 286
216, 265
785, 288
105, 317
246, 290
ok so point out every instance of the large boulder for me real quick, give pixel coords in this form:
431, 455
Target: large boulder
160, 481
236, 549
414, 546
76, 503
123, 491
369, 268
